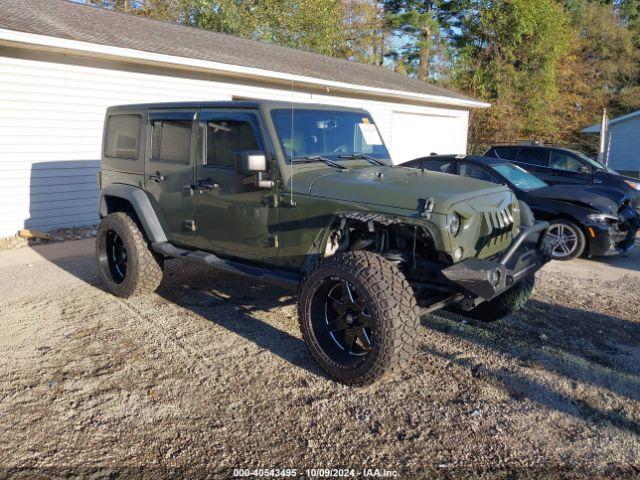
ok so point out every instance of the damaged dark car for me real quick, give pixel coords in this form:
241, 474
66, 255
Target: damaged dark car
584, 219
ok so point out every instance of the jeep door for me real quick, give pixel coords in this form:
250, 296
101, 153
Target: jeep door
234, 214
169, 172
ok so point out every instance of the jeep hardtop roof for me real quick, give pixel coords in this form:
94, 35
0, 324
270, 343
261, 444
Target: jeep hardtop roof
259, 104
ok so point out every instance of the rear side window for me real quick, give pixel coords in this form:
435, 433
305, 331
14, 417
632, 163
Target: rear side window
473, 171
442, 166
413, 164
123, 136
534, 156
171, 141
506, 153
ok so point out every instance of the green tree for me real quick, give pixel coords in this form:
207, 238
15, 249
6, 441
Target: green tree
417, 45
363, 34
600, 70
507, 53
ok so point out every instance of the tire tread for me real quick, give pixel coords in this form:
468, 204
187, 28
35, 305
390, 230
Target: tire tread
396, 308
145, 266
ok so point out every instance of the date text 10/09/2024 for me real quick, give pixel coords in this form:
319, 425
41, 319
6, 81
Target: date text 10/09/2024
315, 472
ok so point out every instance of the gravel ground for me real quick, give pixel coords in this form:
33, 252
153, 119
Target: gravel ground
210, 374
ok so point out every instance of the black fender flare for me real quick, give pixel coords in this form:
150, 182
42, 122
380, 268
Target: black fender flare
369, 218
141, 206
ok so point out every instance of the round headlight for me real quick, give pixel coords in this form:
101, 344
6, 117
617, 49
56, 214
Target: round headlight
453, 224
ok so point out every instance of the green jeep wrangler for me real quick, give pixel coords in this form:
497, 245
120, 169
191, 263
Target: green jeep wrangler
305, 196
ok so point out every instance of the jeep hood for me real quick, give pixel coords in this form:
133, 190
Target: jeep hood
396, 187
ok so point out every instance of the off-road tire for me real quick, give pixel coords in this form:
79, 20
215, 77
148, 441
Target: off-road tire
509, 302
581, 238
390, 302
144, 267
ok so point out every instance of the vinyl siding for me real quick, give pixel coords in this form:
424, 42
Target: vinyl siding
624, 145
51, 121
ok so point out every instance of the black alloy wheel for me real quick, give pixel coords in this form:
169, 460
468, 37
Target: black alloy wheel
346, 318
116, 256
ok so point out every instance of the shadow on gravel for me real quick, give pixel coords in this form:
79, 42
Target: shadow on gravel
583, 347
224, 299
82, 265
229, 301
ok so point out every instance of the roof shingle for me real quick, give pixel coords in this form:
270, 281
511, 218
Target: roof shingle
68, 20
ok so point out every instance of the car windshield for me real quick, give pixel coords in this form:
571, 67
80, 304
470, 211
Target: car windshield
335, 134
519, 177
594, 163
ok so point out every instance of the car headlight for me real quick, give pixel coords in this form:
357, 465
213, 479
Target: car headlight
634, 185
453, 224
602, 218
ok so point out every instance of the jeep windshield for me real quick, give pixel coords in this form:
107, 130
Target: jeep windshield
336, 135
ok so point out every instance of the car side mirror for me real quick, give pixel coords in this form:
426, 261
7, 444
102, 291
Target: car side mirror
584, 169
251, 161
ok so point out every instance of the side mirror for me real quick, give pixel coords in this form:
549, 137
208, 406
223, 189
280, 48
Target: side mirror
251, 161
584, 169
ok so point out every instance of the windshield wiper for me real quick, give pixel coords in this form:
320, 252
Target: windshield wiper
353, 156
318, 158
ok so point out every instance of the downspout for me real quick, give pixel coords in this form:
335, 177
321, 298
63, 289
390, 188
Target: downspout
602, 157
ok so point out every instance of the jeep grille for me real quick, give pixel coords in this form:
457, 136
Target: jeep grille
498, 227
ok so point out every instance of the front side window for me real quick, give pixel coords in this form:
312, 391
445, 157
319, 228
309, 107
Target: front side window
328, 133
171, 141
474, 171
563, 161
122, 136
227, 135
590, 161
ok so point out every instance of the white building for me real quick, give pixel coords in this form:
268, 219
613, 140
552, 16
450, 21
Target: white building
62, 64
622, 143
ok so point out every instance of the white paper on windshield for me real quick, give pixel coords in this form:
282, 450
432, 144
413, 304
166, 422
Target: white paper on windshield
370, 134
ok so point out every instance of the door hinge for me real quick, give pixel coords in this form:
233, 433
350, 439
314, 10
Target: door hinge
271, 241
190, 225
271, 201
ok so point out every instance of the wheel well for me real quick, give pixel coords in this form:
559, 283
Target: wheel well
389, 237
116, 204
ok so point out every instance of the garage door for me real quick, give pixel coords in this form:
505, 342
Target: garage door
417, 135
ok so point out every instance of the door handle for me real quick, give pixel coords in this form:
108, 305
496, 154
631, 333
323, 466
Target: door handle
156, 177
207, 184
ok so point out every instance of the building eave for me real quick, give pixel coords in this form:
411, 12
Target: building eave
595, 129
62, 45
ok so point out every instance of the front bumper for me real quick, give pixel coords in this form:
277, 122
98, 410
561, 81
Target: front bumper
610, 241
486, 279
615, 239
